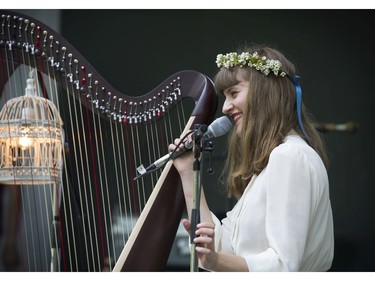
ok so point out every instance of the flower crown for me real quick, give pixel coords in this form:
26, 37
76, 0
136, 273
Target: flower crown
261, 64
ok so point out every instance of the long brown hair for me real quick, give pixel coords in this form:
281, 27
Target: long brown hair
269, 117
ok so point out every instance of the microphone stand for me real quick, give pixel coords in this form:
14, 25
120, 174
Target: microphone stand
55, 233
195, 214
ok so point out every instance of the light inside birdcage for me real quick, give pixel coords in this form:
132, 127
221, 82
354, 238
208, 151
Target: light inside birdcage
31, 140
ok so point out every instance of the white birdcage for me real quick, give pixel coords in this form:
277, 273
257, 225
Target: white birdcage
31, 140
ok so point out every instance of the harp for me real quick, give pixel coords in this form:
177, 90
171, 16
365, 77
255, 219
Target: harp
77, 205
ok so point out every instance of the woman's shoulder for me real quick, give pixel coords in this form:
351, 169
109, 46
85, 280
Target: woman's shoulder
294, 147
292, 143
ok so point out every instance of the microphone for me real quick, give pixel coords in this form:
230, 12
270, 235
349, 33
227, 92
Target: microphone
219, 127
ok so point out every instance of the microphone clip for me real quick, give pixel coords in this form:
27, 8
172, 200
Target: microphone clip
198, 136
209, 148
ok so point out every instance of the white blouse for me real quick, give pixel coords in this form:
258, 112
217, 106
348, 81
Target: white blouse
283, 221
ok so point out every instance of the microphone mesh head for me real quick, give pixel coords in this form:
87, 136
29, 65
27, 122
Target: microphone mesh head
219, 127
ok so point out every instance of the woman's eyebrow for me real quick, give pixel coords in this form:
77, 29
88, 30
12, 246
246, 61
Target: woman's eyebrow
234, 86
229, 90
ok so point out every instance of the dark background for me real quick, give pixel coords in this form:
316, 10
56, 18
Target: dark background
135, 50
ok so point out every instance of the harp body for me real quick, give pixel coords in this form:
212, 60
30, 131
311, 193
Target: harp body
106, 134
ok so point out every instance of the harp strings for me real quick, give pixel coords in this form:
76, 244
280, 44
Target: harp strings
33, 200
54, 229
102, 180
87, 167
82, 222
125, 148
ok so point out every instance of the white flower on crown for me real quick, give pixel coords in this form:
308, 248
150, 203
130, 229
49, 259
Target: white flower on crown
261, 64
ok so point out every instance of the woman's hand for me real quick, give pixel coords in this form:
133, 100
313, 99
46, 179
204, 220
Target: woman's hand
205, 243
183, 163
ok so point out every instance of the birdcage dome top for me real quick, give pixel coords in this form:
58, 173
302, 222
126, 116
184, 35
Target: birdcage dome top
30, 108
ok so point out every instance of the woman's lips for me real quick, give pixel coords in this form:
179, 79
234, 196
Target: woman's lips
236, 116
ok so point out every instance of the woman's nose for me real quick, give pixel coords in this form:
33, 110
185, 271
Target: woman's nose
227, 107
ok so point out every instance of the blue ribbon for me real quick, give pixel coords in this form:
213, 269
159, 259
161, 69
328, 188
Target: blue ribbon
299, 101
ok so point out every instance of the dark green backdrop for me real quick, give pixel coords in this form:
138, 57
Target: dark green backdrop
135, 50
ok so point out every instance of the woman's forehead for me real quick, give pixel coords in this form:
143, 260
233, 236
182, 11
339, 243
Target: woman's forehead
229, 78
237, 87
